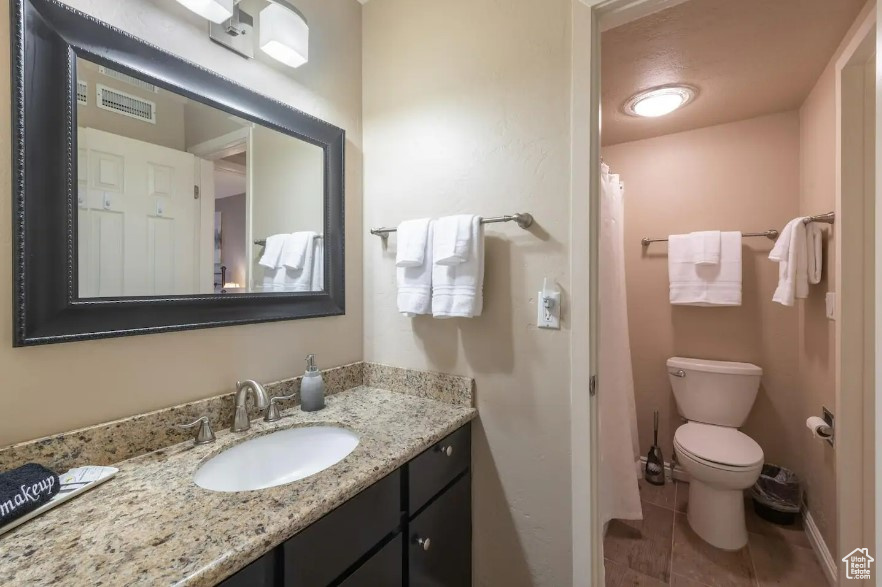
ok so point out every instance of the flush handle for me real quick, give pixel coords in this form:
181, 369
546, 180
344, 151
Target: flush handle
678, 373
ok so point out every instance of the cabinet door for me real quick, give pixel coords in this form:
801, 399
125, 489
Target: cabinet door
384, 569
260, 573
327, 549
440, 540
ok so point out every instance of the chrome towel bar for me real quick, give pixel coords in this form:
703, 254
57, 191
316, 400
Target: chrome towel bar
522, 219
771, 234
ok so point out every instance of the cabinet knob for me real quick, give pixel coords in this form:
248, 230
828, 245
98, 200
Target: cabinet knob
446, 450
426, 543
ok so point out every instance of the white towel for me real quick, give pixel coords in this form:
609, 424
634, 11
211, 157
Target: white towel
453, 239
814, 238
457, 290
272, 251
415, 283
412, 236
284, 279
791, 255
294, 251
318, 266
705, 285
706, 247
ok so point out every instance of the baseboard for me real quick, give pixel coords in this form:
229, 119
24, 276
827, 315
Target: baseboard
672, 472
828, 563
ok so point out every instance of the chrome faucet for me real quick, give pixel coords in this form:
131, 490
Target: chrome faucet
241, 422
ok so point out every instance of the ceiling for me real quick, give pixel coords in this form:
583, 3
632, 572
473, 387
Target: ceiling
746, 57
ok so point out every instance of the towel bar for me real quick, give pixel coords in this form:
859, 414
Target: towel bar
523, 220
771, 234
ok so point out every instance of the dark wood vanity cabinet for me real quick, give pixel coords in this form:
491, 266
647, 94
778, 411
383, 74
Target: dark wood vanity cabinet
413, 527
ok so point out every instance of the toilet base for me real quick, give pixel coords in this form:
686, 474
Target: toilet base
717, 515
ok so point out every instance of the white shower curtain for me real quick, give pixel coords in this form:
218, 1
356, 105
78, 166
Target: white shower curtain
619, 450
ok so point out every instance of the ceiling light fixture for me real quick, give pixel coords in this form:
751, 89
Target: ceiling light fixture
284, 34
659, 101
213, 10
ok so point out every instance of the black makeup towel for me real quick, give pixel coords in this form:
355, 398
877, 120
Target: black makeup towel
24, 489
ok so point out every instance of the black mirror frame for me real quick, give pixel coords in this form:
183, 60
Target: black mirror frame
47, 37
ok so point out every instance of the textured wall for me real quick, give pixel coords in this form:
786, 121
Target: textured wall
738, 176
467, 110
91, 382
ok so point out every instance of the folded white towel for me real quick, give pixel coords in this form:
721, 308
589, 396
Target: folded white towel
272, 251
412, 236
791, 255
457, 290
814, 237
705, 285
706, 247
283, 279
318, 266
294, 251
415, 283
453, 239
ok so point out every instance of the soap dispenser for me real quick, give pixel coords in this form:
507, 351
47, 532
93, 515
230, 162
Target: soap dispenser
312, 388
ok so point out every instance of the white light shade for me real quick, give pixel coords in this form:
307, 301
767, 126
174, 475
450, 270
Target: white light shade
659, 101
214, 10
284, 35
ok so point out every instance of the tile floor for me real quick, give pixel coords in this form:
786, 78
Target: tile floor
663, 550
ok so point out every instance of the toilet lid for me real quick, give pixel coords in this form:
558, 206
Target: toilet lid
718, 444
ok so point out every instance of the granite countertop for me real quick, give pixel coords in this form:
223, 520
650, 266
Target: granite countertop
151, 525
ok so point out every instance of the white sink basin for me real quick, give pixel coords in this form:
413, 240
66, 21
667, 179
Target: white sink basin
276, 459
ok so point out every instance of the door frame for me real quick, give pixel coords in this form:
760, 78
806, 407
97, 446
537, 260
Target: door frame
589, 19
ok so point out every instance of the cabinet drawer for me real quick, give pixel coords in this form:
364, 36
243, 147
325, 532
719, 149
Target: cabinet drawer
439, 541
260, 573
432, 470
383, 569
323, 551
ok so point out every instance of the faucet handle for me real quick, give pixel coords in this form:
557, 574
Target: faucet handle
272, 412
204, 435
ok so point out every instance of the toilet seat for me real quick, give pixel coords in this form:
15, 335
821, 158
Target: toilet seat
719, 447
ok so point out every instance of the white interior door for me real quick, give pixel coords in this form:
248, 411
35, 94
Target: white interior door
139, 223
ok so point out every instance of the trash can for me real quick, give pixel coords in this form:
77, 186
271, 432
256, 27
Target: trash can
777, 495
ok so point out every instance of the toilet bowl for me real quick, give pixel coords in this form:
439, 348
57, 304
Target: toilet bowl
722, 462
715, 397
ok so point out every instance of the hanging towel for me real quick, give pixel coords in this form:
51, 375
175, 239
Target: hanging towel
457, 290
706, 247
283, 279
453, 239
791, 255
412, 238
415, 283
704, 285
294, 250
318, 266
24, 489
272, 251
814, 249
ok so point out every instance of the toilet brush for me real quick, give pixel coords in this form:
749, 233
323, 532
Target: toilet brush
654, 472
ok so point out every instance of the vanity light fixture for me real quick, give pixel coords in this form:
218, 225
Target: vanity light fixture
284, 34
659, 101
214, 10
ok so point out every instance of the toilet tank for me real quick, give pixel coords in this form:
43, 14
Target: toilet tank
714, 392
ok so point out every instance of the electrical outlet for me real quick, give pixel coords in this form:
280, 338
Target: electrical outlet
549, 310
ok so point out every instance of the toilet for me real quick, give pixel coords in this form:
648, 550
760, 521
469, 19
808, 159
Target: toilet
716, 397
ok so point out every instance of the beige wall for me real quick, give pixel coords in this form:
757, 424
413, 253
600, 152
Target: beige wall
738, 176
59, 387
467, 110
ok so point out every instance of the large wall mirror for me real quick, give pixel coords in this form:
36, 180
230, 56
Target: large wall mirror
154, 195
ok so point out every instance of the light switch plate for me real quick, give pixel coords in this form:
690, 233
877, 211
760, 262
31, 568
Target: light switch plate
551, 318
